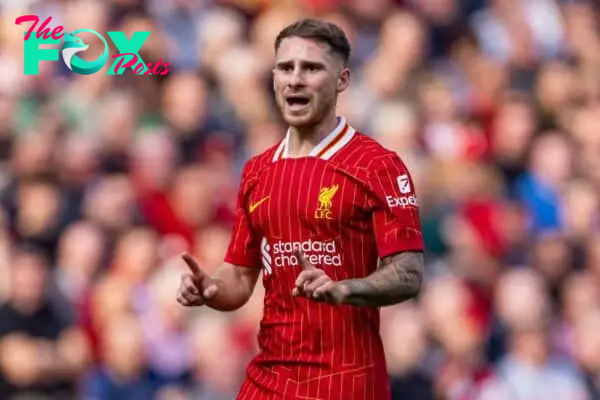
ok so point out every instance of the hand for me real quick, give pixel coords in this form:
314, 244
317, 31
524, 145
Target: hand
196, 286
313, 283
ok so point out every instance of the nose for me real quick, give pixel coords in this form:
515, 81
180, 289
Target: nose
296, 78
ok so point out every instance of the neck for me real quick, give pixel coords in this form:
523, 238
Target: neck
303, 139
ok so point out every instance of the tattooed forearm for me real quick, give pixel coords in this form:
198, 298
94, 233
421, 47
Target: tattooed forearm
399, 278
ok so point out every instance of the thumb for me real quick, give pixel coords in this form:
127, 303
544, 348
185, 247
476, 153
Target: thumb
304, 263
193, 266
210, 291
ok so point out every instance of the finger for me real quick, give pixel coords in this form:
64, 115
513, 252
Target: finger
314, 285
322, 291
307, 277
296, 292
189, 285
181, 300
191, 299
187, 301
193, 266
303, 261
210, 291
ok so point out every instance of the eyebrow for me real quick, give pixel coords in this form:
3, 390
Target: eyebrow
310, 63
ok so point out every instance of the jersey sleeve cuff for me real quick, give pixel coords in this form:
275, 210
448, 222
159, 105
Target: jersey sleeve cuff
386, 251
241, 261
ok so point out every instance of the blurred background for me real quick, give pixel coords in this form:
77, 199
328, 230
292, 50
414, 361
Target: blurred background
105, 180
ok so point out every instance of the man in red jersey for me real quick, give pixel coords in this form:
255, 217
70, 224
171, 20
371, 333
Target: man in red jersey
317, 213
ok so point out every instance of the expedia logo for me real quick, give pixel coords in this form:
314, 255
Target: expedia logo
281, 254
402, 201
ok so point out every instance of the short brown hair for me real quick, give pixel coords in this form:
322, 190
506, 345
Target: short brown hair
320, 31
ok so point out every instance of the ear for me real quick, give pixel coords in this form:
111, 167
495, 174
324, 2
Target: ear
343, 80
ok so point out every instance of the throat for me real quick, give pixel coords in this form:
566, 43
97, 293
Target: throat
302, 140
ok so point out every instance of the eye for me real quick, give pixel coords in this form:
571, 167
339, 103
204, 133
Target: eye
312, 67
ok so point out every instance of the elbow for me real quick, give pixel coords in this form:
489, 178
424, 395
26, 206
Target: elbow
229, 303
412, 290
416, 286
226, 306
416, 289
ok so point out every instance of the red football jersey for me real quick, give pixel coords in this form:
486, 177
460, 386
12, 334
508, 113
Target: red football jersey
347, 204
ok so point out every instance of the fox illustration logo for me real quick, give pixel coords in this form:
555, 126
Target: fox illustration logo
73, 45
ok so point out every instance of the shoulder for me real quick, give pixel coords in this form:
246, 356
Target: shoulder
369, 155
259, 162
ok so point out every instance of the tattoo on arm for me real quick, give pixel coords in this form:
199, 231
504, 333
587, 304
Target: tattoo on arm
398, 279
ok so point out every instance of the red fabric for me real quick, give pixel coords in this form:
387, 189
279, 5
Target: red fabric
475, 144
158, 212
483, 215
485, 113
321, 6
87, 325
480, 307
343, 212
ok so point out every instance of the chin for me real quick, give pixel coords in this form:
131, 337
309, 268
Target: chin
299, 121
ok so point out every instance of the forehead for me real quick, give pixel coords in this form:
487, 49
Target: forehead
301, 49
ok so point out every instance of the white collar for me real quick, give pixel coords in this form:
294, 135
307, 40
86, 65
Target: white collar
330, 145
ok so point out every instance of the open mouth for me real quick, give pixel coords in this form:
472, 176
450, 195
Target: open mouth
297, 101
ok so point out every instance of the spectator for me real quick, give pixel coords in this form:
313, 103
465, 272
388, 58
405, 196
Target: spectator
529, 368
41, 352
123, 373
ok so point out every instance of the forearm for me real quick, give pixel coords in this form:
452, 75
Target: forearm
235, 286
398, 279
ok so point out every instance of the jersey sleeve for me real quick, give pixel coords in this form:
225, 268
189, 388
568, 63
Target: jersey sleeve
244, 248
395, 210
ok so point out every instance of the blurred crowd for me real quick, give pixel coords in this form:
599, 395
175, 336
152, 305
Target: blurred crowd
105, 180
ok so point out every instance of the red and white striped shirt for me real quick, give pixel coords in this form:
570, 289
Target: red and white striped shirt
347, 204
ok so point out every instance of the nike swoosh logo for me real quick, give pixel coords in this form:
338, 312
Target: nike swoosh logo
258, 203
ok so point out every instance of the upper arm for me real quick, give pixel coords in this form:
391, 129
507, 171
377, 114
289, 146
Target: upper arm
406, 260
244, 246
395, 210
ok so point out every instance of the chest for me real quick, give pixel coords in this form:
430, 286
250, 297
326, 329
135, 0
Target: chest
296, 196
